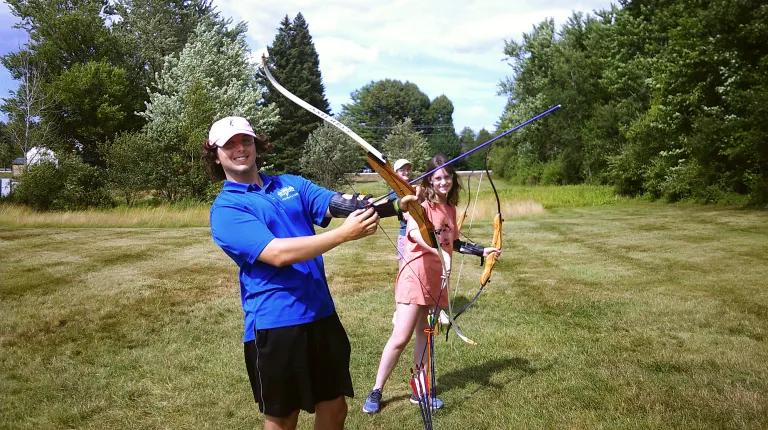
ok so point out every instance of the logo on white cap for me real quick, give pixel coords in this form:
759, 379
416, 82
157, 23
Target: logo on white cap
220, 132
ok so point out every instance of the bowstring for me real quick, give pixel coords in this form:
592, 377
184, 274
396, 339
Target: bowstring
400, 255
469, 229
498, 211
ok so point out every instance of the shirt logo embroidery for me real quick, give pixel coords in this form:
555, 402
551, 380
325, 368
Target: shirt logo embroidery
288, 192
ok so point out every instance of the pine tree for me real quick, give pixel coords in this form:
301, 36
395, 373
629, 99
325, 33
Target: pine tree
296, 66
442, 136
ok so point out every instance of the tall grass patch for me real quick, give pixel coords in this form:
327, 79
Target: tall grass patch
165, 216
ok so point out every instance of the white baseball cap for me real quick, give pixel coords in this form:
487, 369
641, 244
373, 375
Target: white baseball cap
399, 164
223, 130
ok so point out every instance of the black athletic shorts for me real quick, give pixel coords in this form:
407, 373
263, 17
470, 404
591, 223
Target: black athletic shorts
299, 366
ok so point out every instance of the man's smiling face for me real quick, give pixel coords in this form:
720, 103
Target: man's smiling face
238, 159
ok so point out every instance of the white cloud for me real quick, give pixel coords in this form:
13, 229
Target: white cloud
341, 58
451, 47
477, 111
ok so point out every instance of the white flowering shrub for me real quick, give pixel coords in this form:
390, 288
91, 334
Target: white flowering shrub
211, 78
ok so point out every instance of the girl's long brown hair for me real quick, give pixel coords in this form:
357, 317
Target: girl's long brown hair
429, 191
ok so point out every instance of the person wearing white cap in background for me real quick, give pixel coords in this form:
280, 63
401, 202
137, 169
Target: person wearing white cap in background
403, 168
297, 352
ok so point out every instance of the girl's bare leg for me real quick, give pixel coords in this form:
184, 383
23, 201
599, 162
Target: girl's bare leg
406, 320
420, 342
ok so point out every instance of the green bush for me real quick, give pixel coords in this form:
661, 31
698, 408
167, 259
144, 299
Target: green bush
212, 190
720, 195
39, 186
73, 185
84, 186
128, 170
553, 173
527, 172
501, 160
625, 175
673, 176
758, 185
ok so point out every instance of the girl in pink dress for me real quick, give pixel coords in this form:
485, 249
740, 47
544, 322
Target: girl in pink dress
419, 280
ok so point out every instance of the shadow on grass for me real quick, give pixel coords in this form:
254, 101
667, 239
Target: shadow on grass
482, 374
394, 400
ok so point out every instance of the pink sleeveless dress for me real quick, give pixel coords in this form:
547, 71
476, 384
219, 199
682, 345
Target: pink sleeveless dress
419, 279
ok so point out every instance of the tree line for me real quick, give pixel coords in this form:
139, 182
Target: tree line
662, 98
123, 92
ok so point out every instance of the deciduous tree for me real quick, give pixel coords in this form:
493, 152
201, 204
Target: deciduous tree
379, 106
329, 154
211, 78
26, 109
405, 142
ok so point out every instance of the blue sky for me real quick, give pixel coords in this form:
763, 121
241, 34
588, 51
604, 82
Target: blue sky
451, 47
11, 40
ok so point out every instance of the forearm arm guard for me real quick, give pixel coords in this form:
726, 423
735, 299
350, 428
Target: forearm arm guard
341, 207
468, 248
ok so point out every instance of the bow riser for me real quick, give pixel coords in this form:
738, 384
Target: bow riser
490, 260
460, 221
402, 188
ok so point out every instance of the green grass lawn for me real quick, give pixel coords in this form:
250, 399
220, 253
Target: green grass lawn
624, 315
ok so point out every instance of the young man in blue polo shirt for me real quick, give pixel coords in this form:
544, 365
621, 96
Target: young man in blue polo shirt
296, 350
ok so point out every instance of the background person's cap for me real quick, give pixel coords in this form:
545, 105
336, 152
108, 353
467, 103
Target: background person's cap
399, 164
223, 130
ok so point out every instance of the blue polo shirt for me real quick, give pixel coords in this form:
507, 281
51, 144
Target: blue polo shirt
244, 219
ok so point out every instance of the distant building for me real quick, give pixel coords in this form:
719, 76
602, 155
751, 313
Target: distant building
17, 167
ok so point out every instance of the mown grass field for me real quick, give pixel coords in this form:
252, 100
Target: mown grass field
602, 314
